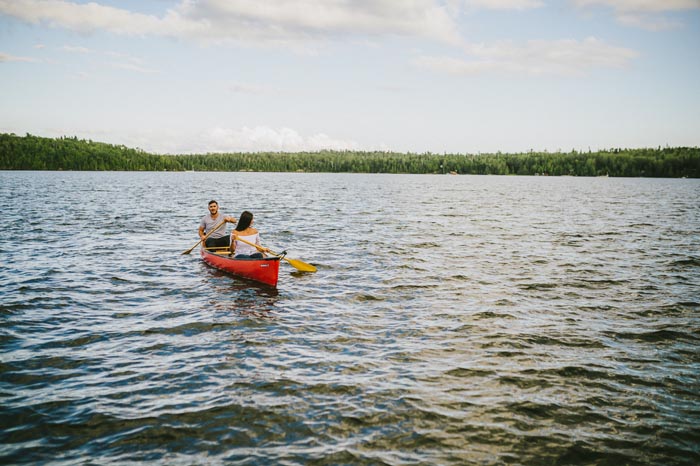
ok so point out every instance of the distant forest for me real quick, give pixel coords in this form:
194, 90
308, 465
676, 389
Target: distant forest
70, 153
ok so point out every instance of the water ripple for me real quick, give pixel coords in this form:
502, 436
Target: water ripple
452, 320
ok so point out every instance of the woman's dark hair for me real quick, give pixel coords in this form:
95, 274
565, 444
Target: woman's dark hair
244, 221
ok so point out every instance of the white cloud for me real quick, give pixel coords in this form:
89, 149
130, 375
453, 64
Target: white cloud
255, 89
270, 22
74, 49
305, 19
4, 57
562, 57
86, 17
212, 140
263, 138
642, 6
503, 4
124, 61
648, 22
132, 67
645, 14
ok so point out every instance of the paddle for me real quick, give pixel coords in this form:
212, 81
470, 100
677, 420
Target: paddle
297, 264
205, 237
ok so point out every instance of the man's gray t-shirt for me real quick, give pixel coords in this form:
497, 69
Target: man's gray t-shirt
208, 223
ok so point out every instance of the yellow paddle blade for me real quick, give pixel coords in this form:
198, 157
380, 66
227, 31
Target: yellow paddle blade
297, 264
301, 266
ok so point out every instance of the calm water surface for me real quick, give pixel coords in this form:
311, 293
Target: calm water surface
452, 320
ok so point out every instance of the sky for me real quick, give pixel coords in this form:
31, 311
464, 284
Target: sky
455, 76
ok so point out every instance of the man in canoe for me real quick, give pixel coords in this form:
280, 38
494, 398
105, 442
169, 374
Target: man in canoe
218, 238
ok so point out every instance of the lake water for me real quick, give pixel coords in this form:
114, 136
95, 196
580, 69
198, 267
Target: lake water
452, 320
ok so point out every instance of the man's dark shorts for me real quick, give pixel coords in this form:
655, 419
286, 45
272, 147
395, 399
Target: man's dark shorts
224, 241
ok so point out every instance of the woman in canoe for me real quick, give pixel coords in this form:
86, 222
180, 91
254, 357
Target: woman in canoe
245, 231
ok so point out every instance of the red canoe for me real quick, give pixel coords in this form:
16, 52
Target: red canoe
260, 270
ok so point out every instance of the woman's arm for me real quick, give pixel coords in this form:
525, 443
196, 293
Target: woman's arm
260, 246
232, 247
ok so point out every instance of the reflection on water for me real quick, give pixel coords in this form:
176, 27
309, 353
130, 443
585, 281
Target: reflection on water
452, 320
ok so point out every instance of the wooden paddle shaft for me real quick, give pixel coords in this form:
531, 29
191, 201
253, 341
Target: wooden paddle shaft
256, 246
205, 237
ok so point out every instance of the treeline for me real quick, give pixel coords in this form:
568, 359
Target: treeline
69, 153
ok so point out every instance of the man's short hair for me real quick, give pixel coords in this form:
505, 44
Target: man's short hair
213, 202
